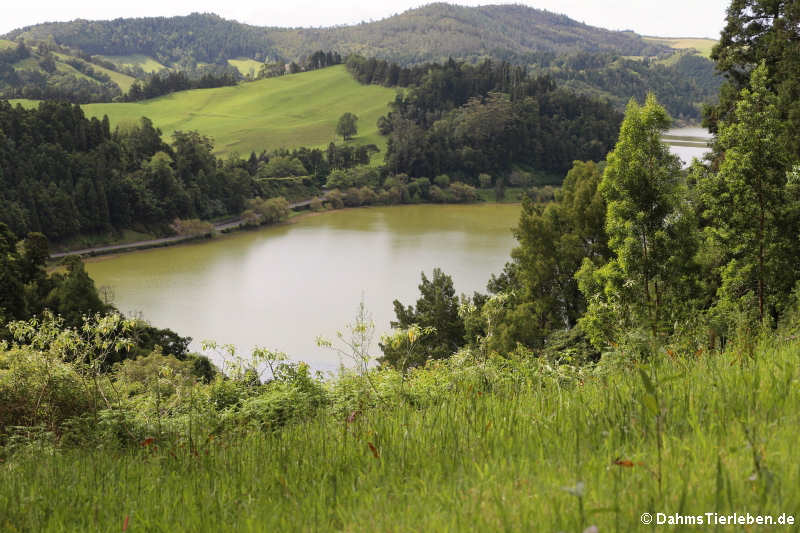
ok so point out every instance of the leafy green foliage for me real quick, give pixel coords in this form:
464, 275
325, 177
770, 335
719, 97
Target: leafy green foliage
618, 437
648, 280
64, 175
756, 31
436, 314
346, 127
751, 205
537, 294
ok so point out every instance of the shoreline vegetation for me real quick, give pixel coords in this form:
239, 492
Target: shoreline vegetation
513, 196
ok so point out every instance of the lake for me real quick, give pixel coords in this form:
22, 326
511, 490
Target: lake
281, 287
688, 143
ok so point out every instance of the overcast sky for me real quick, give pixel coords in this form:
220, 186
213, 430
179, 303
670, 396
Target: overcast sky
673, 18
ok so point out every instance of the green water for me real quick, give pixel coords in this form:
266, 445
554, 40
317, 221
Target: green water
281, 287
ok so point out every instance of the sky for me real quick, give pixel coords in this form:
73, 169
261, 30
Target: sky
673, 18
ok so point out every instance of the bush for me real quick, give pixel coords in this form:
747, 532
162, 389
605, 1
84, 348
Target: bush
282, 167
316, 204
335, 199
192, 227
462, 193
269, 211
485, 181
442, 181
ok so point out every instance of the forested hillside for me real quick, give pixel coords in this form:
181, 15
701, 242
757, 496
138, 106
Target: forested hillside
608, 64
438, 31
182, 41
47, 72
431, 33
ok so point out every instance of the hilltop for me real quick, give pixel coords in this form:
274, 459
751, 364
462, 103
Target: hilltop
430, 33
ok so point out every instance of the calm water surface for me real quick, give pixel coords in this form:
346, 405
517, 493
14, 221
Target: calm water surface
687, 143
281, 287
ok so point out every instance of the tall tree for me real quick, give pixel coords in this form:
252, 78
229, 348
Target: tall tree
650, 232
749, 203
756, 31
540, 292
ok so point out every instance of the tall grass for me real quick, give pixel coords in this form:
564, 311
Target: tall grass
496, 445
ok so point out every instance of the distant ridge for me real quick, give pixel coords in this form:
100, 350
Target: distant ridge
429, 33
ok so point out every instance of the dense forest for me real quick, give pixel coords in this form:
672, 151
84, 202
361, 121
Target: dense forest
467, 119
457, 31
683, 86
183, 41
65, 175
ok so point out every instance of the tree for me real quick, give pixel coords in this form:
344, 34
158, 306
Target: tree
538, 291
74, 295
650, 231
756, 31
346, 127
437, 308
12, 295
748, 201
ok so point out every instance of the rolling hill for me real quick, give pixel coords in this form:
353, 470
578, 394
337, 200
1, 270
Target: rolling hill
430, 33
583, 58
289, 111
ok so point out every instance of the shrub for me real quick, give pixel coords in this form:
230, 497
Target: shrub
461, 192
335, 199
269, 211
316, 204
192, 227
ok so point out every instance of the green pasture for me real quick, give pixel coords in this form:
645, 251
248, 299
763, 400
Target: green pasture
703, 46
147, 63
289, 111
244, 65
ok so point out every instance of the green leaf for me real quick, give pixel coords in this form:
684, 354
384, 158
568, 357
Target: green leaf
648, 384
650, 403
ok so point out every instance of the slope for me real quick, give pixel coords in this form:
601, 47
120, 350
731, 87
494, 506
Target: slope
432, 32
289, 111
438, 31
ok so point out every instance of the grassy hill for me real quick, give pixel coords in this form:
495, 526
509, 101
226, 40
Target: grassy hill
702, 46
147, 64
289, 111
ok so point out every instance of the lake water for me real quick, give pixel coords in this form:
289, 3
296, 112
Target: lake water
281, 287
688, 143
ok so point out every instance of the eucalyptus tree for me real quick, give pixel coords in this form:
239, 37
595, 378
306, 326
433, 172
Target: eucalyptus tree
647, 281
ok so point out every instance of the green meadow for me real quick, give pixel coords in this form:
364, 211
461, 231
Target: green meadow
473, 443
703, 46
244, 65
288, 111
148, 64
